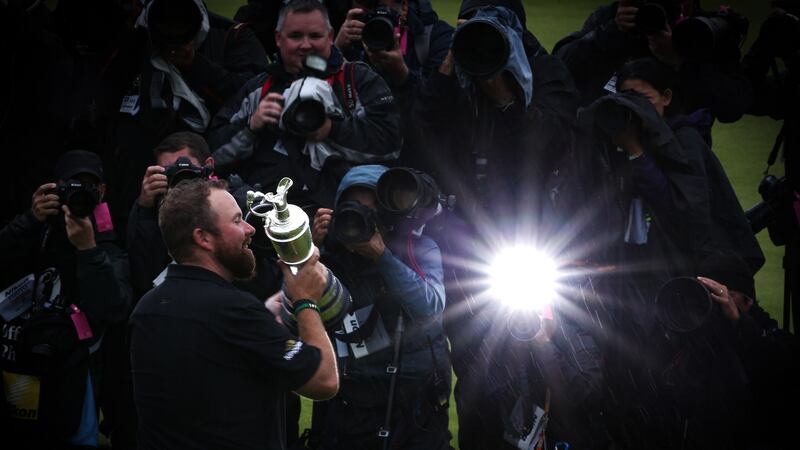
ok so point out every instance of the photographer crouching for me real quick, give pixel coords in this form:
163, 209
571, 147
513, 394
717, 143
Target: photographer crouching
74, 286
393, 359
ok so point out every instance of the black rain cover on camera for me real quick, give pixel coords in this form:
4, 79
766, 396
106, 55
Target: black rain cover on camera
516, 63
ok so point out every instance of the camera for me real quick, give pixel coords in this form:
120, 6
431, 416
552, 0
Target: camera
481, 47
379, 28
353, 223
81, 197
305, 113
683, 305
183, 170
653, 17
776, 211
612, 119
409, 197
701, 37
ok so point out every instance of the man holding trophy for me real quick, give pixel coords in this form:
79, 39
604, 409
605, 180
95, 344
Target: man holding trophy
210, 363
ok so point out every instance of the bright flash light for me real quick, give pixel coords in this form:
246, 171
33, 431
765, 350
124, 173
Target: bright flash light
523, 278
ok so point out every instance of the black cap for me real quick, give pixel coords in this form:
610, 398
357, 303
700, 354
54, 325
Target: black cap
468, 6
76, 162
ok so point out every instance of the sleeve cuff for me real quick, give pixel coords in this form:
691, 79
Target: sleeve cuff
94, 255
146, 212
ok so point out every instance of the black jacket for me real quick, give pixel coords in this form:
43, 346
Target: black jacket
595, 52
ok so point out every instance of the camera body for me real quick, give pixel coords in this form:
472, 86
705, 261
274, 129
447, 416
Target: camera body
353, 223
776, 211
183, 169
379, 28
304, 113
612, 119
81, 197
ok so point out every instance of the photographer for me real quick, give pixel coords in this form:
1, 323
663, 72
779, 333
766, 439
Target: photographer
211, 366
262, 134
181, 156
405, 42
662, 206
262, 17
679, 182
148, 255
500, 108
186, 63
616, 33
768, 353
396, 274
78, 288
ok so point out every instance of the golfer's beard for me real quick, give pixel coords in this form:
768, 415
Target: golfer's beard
241, 262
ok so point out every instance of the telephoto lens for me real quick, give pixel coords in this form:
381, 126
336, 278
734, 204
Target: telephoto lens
697, 38
403, 191
612, 119
353, 223
480, 48
683, 304
305, 116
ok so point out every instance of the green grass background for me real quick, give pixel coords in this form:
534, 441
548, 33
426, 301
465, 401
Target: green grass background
742, 146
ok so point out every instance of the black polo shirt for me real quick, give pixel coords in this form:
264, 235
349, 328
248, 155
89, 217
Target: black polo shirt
211, 366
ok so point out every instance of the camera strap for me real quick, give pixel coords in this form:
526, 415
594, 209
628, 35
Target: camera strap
773, 155
345, 78
385, 431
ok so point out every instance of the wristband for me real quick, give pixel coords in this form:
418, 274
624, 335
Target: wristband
304, 304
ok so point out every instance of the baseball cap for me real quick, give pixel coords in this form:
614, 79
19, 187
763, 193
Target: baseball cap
75, 162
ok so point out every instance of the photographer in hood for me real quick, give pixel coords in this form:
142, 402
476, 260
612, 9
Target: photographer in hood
405, 42
186, 62
703, 47
74, 287
395, 277
309, 116
662, 205
501, 111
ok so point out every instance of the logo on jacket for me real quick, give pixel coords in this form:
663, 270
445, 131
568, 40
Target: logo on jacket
292, 348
